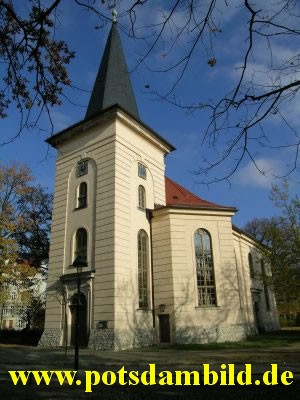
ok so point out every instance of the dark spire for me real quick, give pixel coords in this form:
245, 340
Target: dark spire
112, 85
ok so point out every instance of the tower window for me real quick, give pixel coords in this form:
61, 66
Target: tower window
204, 269
82, 168
81, 243
143, 267
142, 197
82, 195
142, 171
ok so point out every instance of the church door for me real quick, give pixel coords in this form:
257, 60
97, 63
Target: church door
257, 317
164, 328
83, 336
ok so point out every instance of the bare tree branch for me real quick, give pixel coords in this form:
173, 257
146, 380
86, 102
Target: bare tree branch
35, 68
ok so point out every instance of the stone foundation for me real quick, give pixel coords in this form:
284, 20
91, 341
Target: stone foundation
231, 333
127, 339
109, 339
195, 334
51, 337
101, 339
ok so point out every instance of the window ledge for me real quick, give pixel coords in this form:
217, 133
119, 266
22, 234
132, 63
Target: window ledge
80, 208
144, 310
207, 307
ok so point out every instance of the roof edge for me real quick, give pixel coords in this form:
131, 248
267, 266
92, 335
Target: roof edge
248, 235
191, 207
59, 137
190, 199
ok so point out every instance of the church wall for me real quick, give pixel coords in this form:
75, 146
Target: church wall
53, 322
112, 220
139, 145
133, 326
104, 235
241, 251
162, 260
189, 322
98, 219
262, 316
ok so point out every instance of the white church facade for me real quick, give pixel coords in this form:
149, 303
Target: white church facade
163, 265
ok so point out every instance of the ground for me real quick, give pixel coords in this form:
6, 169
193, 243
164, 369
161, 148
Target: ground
282, 350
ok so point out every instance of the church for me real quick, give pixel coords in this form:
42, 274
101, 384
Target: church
159, 264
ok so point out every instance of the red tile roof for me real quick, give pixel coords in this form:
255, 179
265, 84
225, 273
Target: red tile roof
177, 195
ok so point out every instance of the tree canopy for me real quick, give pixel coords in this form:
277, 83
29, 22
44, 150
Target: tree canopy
25, 217
281, 236
35, 64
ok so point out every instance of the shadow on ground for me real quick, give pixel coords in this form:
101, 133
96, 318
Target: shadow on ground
32, 358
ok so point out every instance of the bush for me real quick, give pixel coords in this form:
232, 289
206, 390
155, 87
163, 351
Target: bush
287, 322
26, 337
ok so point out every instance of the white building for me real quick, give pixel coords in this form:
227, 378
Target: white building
15, 302
163, 264
10, 309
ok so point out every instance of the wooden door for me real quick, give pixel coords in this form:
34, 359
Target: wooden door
83, 336
164, 328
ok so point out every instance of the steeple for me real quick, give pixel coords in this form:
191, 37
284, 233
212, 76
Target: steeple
112, 85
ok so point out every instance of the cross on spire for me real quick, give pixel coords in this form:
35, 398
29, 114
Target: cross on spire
112, 7
114, 11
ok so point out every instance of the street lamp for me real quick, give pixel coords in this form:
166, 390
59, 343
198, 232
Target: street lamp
79, 263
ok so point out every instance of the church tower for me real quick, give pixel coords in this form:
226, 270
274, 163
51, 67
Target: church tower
109, 173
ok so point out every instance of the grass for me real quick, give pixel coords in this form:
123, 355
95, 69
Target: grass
283, 338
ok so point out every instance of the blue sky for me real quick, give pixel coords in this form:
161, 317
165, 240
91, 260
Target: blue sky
248, 190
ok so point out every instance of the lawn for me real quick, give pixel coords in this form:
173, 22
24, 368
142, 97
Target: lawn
283, 338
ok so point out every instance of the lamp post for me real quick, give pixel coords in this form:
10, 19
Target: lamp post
79, 263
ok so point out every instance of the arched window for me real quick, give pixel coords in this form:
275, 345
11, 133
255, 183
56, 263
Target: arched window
81, 243
204, 269
143, 268
251, 266
82, 195
142, 197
